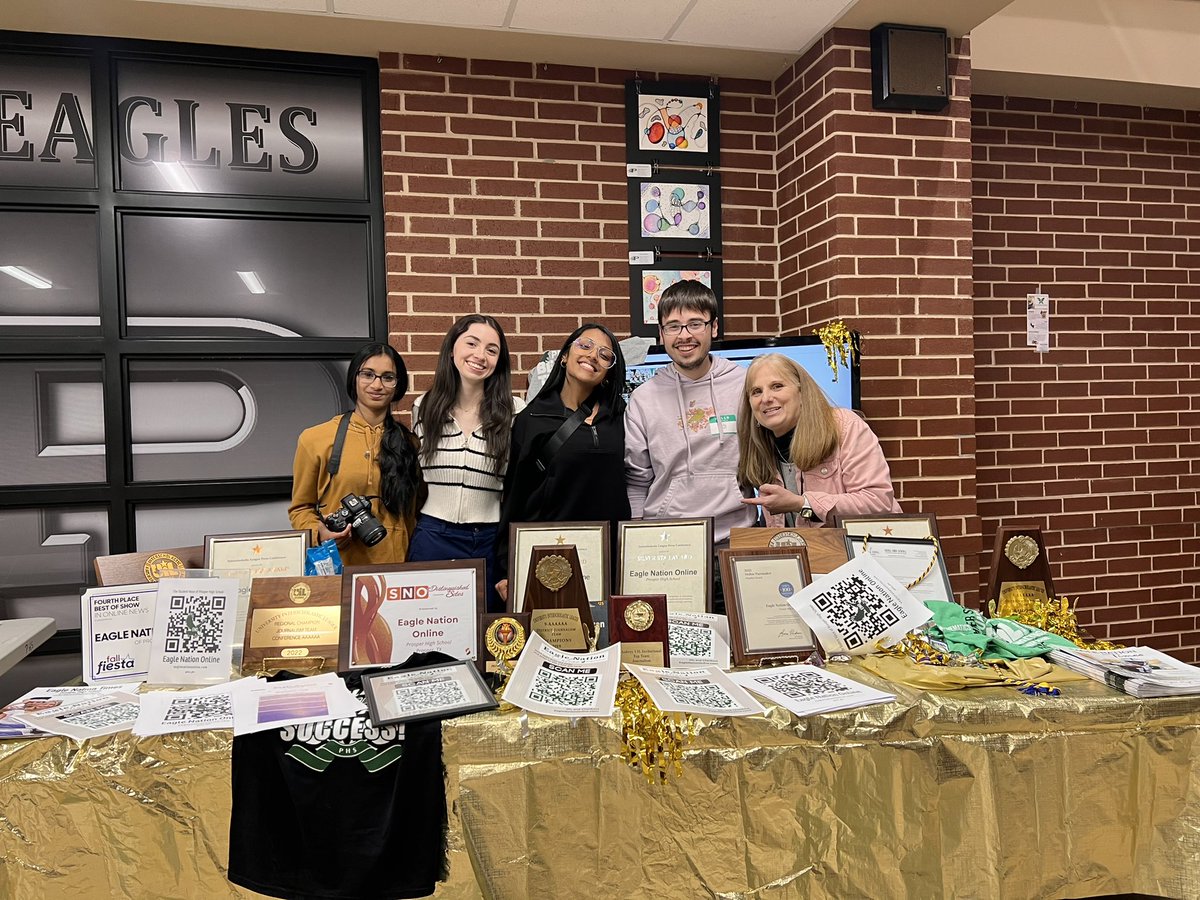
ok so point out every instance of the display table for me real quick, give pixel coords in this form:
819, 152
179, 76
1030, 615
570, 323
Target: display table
986, 793
20, 637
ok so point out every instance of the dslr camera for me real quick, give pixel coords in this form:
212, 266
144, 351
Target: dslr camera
355, 511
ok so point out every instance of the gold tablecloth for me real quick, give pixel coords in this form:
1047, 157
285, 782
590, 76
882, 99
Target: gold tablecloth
981, 793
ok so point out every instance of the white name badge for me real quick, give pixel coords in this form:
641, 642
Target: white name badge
722, 424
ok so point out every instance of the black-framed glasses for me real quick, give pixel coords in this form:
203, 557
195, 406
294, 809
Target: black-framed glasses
694, 327
387, 379
608, 359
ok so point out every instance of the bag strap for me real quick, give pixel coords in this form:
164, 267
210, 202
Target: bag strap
565, 430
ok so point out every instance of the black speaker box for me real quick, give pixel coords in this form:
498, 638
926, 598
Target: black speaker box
908, 67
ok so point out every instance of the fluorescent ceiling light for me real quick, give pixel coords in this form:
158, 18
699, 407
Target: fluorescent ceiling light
252, 281
177, 177
30, 278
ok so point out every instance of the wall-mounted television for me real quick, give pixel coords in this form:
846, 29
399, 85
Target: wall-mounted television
808, 351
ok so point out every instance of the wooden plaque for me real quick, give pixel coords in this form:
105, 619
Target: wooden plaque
1020, 571
826, 547
639, 622
294, 624
905, 525
141, 568
556, 597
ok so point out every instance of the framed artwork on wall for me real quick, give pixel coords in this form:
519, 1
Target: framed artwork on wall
647, 282
673, 123
675, 211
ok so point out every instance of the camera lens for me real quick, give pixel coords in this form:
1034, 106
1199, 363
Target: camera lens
368, 529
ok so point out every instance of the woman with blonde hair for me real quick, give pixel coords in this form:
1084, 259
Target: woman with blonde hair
801, 457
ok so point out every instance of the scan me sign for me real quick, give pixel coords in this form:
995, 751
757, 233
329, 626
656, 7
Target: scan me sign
185, 128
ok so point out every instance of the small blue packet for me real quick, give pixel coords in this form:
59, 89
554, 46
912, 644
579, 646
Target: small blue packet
323, 559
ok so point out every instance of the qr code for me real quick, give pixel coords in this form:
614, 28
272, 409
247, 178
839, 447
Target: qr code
189, 709
196, 623
429, 695
854, 611
564, 687
803, 685
690, 640
698, 693
103, 716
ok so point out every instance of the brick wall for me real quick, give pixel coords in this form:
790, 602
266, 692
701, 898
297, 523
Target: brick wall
1095, 441
875, 229
505, 193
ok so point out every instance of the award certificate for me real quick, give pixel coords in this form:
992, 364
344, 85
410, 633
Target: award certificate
914, 562
117, 625
390, 612
768, 623
668, 556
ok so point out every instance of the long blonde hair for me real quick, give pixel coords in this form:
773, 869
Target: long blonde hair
814, 439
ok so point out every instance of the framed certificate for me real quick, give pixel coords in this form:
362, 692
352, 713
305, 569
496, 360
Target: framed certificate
390, 612
667, 556
268, 553
917, 563
908, 525
440, 691
591, 543
764, 629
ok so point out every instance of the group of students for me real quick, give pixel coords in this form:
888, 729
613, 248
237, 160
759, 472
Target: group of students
703, 437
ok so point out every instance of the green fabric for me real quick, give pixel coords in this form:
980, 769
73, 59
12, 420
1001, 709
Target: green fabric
967, 631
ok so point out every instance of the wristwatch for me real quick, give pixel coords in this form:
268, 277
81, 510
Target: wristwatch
806, 511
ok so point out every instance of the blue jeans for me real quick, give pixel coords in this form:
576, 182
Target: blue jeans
434, 540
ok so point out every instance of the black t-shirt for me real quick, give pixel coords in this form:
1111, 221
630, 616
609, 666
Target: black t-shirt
340, 810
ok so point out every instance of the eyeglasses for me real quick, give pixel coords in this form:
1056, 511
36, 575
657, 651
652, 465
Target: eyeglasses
608, 359
694, 327
387, 379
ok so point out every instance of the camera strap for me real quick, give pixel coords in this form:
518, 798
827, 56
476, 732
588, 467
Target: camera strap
339, 441
562, 435
335, 456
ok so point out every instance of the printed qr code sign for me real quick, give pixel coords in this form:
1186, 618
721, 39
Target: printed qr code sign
563, 688
195, 624
187, 709
852, 610
690, 640
804, 685
103, 717
436, 695
698, 694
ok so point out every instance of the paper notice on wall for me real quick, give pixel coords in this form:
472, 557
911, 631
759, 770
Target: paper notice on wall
1037, 321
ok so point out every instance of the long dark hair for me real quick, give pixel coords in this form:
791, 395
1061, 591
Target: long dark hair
399, 473
496, 408
609, 392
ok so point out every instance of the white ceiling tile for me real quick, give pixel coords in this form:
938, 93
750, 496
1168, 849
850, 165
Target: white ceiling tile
622, 19
461, 13
772, 25
274, 5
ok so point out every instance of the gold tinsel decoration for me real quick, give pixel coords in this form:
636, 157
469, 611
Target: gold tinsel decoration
654, 740
1056, 616
840, 344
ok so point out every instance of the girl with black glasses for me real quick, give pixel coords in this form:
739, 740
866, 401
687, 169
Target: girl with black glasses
377, 463
560, 472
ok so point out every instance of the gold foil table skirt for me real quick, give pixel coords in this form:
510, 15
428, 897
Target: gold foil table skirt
979, 793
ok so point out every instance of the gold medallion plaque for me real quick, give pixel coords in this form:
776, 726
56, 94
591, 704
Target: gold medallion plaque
553, 572
1021, 551
639, 615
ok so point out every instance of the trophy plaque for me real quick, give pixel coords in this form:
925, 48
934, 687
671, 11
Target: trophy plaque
294, 624
556, 598
826, 547
764, 629
1020, 572
639, 622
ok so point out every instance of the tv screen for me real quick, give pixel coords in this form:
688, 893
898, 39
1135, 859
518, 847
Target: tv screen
809, 352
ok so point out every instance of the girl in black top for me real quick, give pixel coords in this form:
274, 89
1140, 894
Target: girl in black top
584, 480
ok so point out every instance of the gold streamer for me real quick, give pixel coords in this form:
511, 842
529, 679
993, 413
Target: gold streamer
1055, 616
654, 740
840, 344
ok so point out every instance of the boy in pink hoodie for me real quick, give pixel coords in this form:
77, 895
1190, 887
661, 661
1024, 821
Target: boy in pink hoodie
681, 446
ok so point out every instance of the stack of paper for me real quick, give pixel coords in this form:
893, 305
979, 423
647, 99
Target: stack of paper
1138, 671
807, 690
